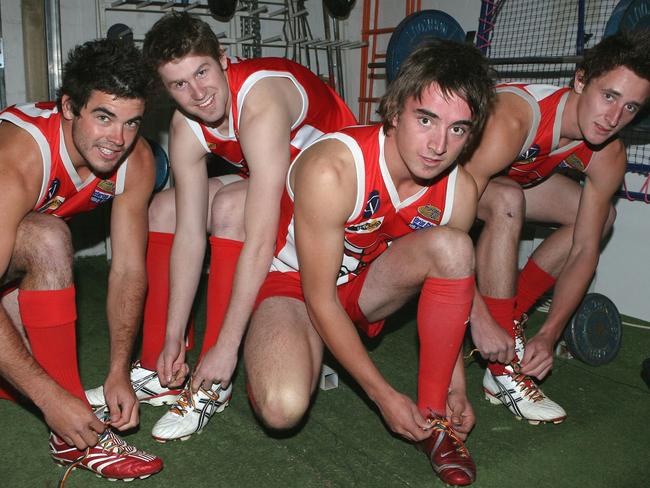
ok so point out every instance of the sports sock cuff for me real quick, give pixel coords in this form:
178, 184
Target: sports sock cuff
450, 291
161, 238
534, 274
47, 308
220, 243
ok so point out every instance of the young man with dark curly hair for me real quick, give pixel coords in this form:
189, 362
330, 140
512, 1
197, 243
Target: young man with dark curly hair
58, 159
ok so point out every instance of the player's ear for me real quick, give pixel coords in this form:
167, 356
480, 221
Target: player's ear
223, 59
579, 81
67, 110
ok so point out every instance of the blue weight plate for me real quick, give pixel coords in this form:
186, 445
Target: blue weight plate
162, 164
594, 333
415, 29
627, 16
611, 27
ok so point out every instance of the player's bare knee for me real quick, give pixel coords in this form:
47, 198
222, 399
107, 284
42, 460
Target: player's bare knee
162, 212
451, 253
43, 250
227, 214
282, 407
506, 206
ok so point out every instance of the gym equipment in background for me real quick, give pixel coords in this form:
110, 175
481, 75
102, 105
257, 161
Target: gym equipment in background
222, 10
593, 334
416, 29
162, 164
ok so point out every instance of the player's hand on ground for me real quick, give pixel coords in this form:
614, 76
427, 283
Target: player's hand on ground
121, 401
172, 368
538, 357
71, 419
403, 416
493, 342
216, 367
460, 413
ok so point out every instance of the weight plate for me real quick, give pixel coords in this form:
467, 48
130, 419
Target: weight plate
614, 21
162, 164
594, 332
416, 29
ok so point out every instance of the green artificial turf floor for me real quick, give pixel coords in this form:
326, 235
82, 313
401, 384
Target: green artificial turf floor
605, 441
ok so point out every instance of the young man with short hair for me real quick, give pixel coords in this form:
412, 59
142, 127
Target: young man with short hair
533, 131
257, 114
57, 160
372, 216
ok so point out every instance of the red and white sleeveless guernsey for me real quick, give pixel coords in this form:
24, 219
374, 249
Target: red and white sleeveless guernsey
63, 193
379, 216
540, 154
322, 109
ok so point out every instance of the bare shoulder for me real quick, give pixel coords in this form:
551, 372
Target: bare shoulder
274, 94
328, 160
465, 184
21, 162
608, 162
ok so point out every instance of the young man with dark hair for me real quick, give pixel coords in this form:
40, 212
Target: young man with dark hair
256, 114
370, 217
534, 130
57, 160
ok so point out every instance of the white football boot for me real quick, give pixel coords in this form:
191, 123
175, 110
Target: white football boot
146, 386
523, 397
191, 413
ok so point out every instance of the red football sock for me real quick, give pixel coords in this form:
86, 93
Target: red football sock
533, 282
224, 254
501, 310
443, 311
49, 319
159, 248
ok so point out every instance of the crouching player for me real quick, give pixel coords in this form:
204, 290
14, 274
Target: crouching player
57, 160
370, 217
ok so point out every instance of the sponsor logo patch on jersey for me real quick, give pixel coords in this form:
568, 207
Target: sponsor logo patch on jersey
430, 212
372, 204
419, 223
365, 227
530, 154
106, 186
103, 192
574, 161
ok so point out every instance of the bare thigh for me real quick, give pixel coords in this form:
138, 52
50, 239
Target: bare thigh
162, 210
282, 348
555, 201
398, 274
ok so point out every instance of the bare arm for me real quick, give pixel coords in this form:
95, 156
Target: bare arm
503, 137
325, 188
269, 110
188, 250
127, 282
20, 178
604, 177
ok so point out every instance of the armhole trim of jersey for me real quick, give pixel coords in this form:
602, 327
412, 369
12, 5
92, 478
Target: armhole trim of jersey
259, 75
534, 107
198, 132
449, 197
120, 180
